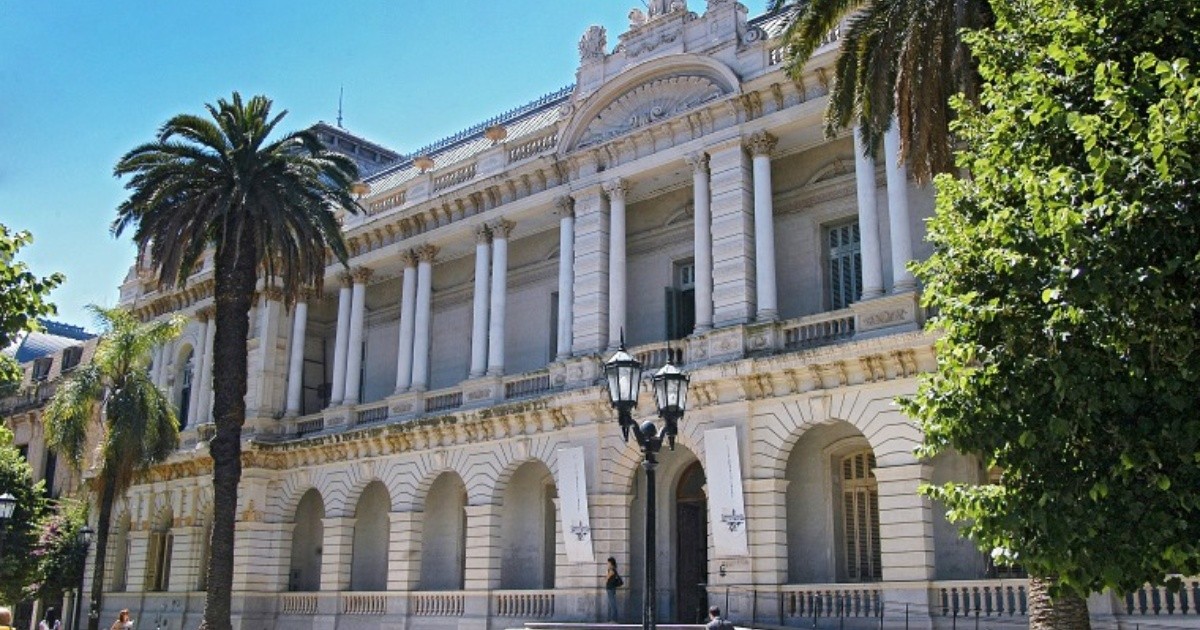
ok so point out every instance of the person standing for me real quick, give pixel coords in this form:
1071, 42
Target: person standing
612, 582
123, 621
716, 621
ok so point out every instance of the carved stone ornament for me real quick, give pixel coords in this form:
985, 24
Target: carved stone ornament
593, 43
649, 103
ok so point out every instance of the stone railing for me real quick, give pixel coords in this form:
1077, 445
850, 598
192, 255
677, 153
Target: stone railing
393, 200
985, 598
310, 424
444, 401
363, 604
454, 178
654, 355
28, 398
530, 384
298, 604
375, 412
818, 330
1161, 601
533, 147
437, 604
809, 601
524, 604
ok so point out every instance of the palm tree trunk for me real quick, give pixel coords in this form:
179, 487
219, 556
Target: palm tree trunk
1068, 611
233, 294
107, 498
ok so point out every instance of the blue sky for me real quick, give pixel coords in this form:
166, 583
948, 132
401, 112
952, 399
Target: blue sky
83, 82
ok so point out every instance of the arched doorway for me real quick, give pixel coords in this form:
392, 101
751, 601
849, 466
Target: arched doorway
308, 534
372, 533
691, 545
444, 539
527, 529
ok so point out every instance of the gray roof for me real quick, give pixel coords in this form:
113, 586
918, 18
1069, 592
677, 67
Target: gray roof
53, 337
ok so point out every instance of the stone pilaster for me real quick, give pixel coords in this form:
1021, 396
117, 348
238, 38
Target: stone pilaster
337, 553
766, 522
341, 342
483, 547
187, 558
404, 562
905, 522
591, 272
734, 295
136, 565
262, 554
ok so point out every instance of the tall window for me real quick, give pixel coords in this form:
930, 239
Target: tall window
845, 265
553, 325
185, 390
48, 473
860, 517
681, 301
158, 561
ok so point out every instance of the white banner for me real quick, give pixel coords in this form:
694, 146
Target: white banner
726, 506
573, 506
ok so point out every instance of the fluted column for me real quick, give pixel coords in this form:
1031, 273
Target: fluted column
206, 366
897, 192
868, 219
341, 342
295, 379
424, 314
566, 274
761, 145
354, 353
702, 202
616, 190
500, 232
479, 313
197, 369
408, 311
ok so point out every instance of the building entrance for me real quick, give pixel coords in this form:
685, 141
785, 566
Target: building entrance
691, 546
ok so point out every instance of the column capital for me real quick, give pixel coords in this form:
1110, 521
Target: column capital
565, 206
427, 252
408, 258
616, 189
483, 234
761, 143
698, 161
206, 313
502, 228
361, 274
346, 279
273, 294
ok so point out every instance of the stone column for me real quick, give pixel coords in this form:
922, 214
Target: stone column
616, 190
761, 145
500, 233
341, 342
354, 353
404, 557
590, 307
733, 234
766, 517
295, 379
424, 314
897, 192
483, 547
337, 553
265, 397
868, 219
479, 307
197, 370
206, 366
408, 313
702, 200
566, 279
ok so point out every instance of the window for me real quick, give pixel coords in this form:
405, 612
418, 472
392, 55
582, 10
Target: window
48, 473
185, 390
41, 368
71, 358
553, 325
845, 265
681, 301
158, 561
860, 517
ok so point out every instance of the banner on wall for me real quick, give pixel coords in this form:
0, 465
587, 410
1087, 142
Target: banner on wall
573, 506
726, 506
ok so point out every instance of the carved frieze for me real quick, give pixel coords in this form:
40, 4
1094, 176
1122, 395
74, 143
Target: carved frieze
649, 103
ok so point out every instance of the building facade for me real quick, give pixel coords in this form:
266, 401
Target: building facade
429, 444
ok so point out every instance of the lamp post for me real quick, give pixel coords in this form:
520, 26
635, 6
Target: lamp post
623, 374
8, 505
85, 539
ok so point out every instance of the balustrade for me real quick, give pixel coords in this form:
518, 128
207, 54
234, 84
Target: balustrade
654, 355
818, 330
532, 147
363, 604
1160, 600
812, 601
985, 598
525, 604
453, 178
298, 604
527, 385
443, 402
374, 413
438, 604
313, 424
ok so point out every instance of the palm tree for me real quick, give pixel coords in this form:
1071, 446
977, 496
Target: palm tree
267, 207
900, 60
136, 423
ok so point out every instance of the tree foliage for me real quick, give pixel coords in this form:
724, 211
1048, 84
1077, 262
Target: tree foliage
1066, 275
19, 535
59, 553
22, 296
264, 207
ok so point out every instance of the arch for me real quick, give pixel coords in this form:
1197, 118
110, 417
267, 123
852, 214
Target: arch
527, 528
118, 551
663, 68
623, 462
492, 473
308, 536
426, 470
160, 546
837, 167
444, 534
372, 535
185, 379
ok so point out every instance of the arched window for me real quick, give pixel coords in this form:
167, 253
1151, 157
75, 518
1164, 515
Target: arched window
859, 497
185, 389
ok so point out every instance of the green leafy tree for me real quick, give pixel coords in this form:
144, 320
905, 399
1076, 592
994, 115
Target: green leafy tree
112, 399
60, 554
22, 297
1067, 277
897, 58
267, 208
19, 535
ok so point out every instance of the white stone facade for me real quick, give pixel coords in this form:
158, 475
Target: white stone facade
403, 457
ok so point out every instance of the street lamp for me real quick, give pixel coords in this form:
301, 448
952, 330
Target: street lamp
8, 504
85, 539
623, 374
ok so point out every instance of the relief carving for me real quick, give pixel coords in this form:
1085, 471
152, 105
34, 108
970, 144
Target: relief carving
593, 43
648, 104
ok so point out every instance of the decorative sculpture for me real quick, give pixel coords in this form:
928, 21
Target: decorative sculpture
593, 43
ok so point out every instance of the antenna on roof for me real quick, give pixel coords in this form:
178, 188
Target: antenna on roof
341, 92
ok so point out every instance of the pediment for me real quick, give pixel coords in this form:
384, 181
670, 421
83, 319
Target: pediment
649, 103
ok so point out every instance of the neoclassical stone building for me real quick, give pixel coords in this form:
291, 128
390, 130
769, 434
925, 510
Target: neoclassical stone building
428, 443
